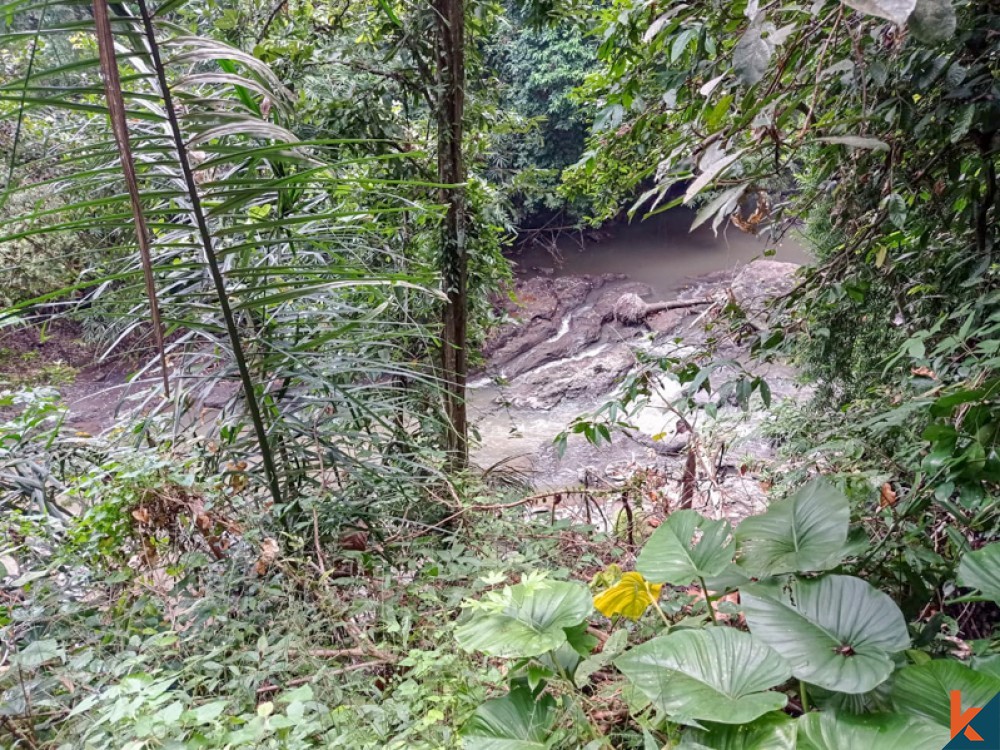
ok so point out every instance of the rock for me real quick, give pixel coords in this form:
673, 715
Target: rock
666, 321
521, 339
595, 375
757, 282
582, 330
630, 309
538, 309
605, 305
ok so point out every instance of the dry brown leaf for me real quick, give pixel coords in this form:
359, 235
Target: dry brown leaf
923, 372
268, 554
888, 496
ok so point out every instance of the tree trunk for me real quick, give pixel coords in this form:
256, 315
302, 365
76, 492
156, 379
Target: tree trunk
450, 21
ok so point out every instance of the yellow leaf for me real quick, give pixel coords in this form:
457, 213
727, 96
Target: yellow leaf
630, 597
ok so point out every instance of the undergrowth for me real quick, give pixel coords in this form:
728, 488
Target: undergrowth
169, 616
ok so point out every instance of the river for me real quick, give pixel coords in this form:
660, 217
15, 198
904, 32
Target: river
660, 251
518, 409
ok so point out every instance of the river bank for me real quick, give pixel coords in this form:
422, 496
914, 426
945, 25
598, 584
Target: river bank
563, 355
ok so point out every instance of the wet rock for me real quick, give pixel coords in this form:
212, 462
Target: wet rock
591, 376
537, 311
666, 321
521, 338
605, 305
582, 330
757, 282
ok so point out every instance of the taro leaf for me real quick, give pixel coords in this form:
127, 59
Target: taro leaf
752, 53
933, 21
987, 665
565, 659
896, 11
630, 597
730, 579
875, 701
718, 674
515, 722
831, 731
925, 690
773, 731
804, 532
856, 141
673, 555
837, 632
533, 621
981, 570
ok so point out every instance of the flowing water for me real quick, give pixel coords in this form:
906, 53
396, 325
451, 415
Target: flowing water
660, 251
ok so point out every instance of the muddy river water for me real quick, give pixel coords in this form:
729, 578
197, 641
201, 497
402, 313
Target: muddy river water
660, 251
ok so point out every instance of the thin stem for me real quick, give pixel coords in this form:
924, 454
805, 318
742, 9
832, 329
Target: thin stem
656, 605
708, 601
213, 264
803, 697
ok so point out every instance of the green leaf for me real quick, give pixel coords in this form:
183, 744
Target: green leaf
530, 619
37, 653
925, 690
206, 713
830, 731
718, 674
709, 172
723, 202
981, 570
933, 21
612, 647
687, 546
804, 532
773, 731
837, 632
515, 722
896, 11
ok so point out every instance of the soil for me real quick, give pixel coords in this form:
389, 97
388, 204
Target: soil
55, 353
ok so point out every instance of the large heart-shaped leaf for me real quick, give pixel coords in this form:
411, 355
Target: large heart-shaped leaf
804, 532
526, 619
630, 596
837, 632
686, 547
830, 731
981, 570
518, 721
773, 731
719, 674
925, 690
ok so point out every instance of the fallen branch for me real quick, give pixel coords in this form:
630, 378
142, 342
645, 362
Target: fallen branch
631, 309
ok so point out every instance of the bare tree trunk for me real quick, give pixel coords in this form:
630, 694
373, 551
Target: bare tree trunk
450, 20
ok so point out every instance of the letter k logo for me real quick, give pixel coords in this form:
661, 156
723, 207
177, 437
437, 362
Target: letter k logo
960, 721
